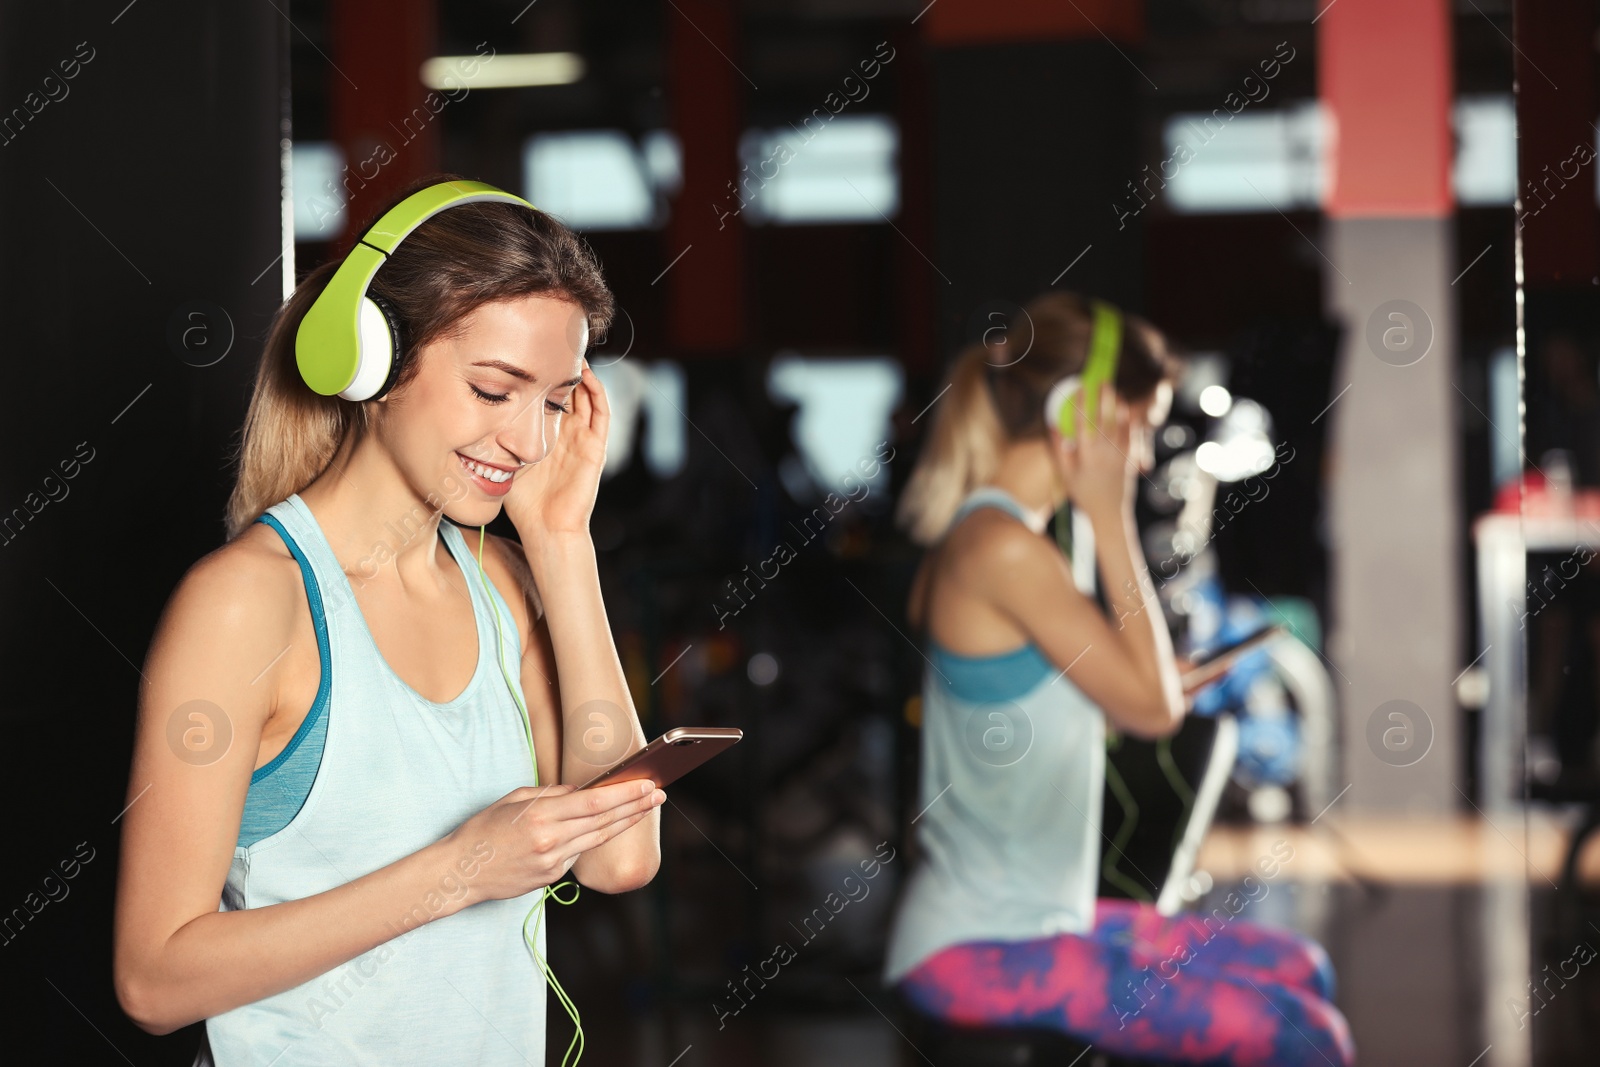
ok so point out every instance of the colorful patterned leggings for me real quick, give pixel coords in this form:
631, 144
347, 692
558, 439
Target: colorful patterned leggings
1179, 989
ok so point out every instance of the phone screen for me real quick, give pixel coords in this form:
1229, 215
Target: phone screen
1214, 664
1244, 644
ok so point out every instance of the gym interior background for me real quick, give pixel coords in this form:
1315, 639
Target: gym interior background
1370, 226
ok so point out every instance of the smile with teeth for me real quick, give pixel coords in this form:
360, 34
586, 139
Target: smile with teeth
493, 474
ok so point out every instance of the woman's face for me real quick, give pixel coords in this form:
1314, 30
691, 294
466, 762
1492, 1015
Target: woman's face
492, 391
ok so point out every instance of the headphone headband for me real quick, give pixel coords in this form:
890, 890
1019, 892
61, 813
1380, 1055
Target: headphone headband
346, 344
1105, 345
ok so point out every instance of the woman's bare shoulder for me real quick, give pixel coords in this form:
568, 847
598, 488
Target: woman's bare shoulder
251, 584
990, 539
225, 629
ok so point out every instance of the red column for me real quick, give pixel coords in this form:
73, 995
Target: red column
1384, 75
1397, 633
383, 118
705, 236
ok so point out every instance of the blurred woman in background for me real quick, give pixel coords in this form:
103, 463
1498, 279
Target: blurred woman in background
999, 923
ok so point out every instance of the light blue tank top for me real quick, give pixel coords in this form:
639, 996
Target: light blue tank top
1013, 773
396, 773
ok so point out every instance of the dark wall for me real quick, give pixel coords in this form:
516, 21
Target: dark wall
140, 166
1033, 148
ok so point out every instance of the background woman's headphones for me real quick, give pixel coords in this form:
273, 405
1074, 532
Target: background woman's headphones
1105, 343
349, 341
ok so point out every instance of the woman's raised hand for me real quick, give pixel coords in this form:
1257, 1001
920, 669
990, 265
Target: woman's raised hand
1097, 465
557, 494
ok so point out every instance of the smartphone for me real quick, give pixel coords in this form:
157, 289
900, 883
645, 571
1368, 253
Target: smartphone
670, 756
1216, 662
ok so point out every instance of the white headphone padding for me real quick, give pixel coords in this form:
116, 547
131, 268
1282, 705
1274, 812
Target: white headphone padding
377, 350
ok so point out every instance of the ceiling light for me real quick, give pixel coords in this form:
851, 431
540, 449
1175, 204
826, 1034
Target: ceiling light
503, 71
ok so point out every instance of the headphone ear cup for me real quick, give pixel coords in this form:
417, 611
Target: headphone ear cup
378, 327
1058, 411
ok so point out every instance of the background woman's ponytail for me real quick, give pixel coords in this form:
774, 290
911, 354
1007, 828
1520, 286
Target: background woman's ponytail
962, 450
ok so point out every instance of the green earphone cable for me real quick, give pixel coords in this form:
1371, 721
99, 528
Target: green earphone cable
1130, 819
549, 890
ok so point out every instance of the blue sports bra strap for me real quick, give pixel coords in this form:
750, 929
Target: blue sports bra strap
319, 623
989, 496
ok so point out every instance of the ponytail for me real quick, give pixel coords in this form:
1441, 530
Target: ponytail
290, 433
962, 450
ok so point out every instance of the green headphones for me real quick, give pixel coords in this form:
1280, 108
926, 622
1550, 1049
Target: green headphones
1100, 367
1105, 344
349, 341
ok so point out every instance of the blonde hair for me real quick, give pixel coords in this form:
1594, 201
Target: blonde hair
962, 450
994, 398
454, 262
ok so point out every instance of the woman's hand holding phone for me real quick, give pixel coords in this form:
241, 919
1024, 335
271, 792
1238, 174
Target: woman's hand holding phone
532, 836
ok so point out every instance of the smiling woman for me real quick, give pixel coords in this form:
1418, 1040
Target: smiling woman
371, 755
454, 276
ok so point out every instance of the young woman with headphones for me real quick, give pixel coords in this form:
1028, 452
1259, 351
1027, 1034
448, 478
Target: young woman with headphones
999, 923
352, 778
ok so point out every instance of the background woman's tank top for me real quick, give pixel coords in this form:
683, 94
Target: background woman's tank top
1013, 773
397, 773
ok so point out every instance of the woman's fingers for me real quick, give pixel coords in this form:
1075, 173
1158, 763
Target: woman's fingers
1114, 424
582, 399
561, 801
571, 821
601, 819
602, 403
594, 838
599, 403
1124, 429
601, 800
1111, 413
590, 409
593, 830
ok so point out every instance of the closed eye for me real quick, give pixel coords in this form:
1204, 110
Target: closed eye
553, 406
